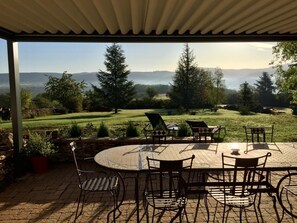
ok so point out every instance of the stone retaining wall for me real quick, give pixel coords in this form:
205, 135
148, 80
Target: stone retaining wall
91, 146
88, 147
11, 166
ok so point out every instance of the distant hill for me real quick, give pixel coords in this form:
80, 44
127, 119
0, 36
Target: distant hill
36, 80
235, 77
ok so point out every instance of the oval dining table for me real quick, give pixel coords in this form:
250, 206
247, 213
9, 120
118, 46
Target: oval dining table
208, 156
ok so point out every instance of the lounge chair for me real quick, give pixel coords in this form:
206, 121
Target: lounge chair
201, 130
157, 128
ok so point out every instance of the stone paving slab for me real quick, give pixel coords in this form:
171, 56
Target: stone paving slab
51, 197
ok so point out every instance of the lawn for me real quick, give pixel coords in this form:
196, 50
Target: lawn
285, 124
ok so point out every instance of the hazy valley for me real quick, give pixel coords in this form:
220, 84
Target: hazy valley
36, 80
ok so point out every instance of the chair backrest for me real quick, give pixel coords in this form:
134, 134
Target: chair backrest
196, 124
156, 120
245, 174
165, 177
73, 147
259, 134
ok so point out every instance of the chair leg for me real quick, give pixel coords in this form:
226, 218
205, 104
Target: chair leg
275, 209
78, 204
215, 212
153, 216
178, 214
197, 208
224, 213
256, 212
81, 202
240, 214
206, 206
185, 215
146, 211
115, 207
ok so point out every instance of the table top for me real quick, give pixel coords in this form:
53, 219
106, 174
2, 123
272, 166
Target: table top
207, 155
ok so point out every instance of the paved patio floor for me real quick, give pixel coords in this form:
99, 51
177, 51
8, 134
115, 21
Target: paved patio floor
51, 197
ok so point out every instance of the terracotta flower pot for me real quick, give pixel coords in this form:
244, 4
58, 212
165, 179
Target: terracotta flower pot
40, 164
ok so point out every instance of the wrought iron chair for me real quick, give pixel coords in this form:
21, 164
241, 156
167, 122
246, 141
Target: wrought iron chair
157, 128
287, 194
240, 184
165, 188
103, 183
258, 134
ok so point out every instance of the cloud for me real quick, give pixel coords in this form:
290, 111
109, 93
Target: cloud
262, 46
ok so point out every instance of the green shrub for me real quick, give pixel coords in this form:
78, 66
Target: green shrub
89, 130
102, 130
75, 130
39, 145
183, 130
131, 130
294, 111
64, 131
244, 110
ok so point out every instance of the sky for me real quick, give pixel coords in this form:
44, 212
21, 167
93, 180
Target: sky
89, 57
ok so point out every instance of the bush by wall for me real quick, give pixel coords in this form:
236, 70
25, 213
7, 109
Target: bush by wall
131, 130
75, 130
102, 130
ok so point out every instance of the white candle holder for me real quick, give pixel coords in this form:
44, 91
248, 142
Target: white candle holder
235, 149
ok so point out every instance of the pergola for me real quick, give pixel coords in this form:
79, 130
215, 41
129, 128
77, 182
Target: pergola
138, 21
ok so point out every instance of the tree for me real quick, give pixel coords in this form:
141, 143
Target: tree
151, 92
285, 53
218, 82
245, 98
231, 97
26, 99
265, 89
114, 86
5, 100
190, 82
66, 91
42, 101
203, 89
93, 101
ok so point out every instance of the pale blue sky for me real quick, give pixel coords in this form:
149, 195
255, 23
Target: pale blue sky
89, 57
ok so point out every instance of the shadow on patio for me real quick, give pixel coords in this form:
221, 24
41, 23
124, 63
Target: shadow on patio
51, 197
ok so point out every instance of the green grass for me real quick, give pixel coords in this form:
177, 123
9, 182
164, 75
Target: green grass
285, 124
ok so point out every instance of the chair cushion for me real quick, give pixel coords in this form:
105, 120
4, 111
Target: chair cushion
100, 184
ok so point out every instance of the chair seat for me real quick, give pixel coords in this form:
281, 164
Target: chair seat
100, 184
234, 199
172, 126
165, 201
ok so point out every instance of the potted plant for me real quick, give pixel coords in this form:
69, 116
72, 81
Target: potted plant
39, 149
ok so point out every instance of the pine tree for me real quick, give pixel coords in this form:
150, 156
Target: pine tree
219, 85
265, 89
189, 83
114, 87
245, 98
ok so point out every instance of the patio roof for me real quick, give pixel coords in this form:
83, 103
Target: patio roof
148, 20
